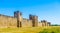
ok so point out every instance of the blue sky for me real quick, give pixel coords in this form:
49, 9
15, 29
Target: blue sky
45, 9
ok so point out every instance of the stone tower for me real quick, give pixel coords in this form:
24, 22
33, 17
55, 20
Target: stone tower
18, 15
49, 24
44, 23
34, 20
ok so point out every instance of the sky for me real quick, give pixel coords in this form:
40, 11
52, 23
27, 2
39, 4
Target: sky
45, 9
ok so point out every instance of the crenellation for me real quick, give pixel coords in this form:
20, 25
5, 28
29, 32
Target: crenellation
18, 21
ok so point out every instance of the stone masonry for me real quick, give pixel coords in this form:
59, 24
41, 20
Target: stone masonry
19, 21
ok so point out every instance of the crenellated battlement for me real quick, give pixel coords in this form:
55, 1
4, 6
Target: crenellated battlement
18, 21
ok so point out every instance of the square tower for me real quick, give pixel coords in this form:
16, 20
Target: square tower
18, 15
34, 20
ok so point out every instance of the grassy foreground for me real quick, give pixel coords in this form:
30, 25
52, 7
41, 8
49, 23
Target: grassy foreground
31, 30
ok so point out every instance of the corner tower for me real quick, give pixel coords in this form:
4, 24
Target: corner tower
34, 20
18, 15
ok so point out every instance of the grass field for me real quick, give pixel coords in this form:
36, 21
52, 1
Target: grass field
55, 29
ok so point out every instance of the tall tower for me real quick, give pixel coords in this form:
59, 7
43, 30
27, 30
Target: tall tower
34, 20
18, 15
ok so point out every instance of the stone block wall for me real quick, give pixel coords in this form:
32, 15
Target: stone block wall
7, 21
39, 24
26, 23
19, 21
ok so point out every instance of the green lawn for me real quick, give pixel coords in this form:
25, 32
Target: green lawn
55, 29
